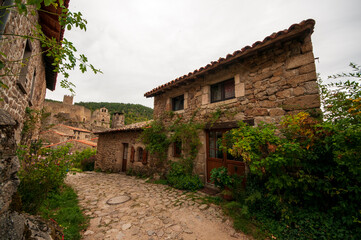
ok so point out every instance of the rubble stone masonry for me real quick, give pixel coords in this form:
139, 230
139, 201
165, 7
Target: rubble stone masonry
269, 84
32, 93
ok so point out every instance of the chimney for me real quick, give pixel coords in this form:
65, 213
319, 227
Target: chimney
118, 120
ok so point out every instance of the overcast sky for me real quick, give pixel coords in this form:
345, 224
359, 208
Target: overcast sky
141, 44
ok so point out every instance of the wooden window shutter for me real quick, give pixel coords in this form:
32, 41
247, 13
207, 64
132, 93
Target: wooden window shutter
145, 157
132, 153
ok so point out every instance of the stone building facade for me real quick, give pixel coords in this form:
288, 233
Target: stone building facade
101, 117
259, 83
120, 149
27, 73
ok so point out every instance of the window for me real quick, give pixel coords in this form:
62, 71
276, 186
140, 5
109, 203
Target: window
125, 151
22, 82
222, 91
177, 149
140, 154
178, 103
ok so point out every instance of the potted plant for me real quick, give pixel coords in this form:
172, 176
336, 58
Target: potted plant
222, 180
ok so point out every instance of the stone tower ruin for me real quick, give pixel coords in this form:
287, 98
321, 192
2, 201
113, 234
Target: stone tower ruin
68, 100
118, 120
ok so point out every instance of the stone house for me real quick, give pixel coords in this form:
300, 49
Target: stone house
119, 148
75, 133
27, 74
259, 83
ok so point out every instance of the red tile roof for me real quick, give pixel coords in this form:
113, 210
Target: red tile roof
56, 132
131, 127
74, 128
93, 144
292, 31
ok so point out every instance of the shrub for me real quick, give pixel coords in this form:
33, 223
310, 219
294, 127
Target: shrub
42, 171
87, 164
221, 178
79, 157
178, 178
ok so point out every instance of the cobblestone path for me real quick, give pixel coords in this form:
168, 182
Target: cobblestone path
153, 212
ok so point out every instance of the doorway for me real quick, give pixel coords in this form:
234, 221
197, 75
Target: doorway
217, 158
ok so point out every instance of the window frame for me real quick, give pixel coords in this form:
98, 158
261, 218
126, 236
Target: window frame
178, 98
221, 86
23, 80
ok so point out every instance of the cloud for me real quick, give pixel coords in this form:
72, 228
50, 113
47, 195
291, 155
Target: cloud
141, 44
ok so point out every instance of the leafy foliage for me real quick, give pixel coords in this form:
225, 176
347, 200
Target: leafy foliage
156, 141
342, 98
64, 209
84, 159
221, 178
133, 112
180, 179
42, 171
305, 183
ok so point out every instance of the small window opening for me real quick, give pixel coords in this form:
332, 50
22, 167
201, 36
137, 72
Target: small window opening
178, 103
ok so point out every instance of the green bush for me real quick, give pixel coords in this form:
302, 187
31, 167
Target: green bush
87, 164
178, 178
63, 208
42, 171
221, 178
83, 159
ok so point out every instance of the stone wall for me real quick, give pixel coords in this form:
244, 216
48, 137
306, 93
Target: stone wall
110, 149
31, 92
269, 84
65, 113
101, 117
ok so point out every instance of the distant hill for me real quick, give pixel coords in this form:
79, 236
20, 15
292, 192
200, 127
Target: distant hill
133, 112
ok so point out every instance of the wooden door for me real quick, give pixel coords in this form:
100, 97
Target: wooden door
216, 158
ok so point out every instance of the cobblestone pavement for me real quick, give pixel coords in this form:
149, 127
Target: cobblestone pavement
153, 212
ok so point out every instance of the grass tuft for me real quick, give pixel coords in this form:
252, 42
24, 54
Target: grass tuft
63, 208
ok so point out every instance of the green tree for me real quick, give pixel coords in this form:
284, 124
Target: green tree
342, 97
